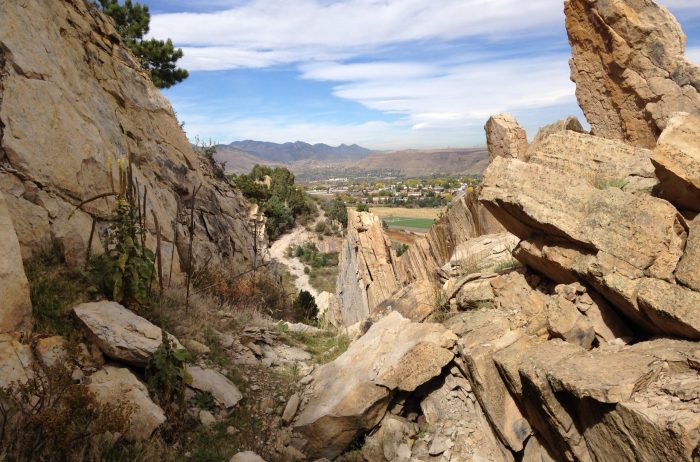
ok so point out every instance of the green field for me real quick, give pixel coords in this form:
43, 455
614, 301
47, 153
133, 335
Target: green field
407, 222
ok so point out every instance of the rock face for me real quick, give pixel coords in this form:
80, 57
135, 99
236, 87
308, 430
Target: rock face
112, 385
602, 163
505, 137
99, 106
15, 305
394, 355
367, 274
571, 123
629, 68
677, 161
15, 359
120, 333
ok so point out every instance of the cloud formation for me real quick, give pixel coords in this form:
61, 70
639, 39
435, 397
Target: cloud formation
440, 68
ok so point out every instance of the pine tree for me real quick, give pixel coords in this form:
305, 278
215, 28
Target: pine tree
156, 56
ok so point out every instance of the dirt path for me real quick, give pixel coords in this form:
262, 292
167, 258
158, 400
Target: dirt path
278, 250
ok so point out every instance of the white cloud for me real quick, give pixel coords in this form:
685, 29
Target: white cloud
269, 32
693, 54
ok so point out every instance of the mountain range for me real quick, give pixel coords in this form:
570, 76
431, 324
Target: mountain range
321, 161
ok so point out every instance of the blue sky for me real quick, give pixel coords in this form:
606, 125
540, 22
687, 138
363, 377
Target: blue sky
385, 74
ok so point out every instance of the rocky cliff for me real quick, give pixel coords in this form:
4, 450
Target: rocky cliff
586, 347
73, 101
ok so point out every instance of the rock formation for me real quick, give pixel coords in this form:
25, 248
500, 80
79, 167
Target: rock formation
505, 137
15, 305
368, 274
586, 349
98, 106
629, 68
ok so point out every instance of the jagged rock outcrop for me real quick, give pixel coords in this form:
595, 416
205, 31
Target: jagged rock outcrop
465, 218
15, 304
616, 241
629, 68
677, 161
394, 355
97, 106
368, 274
571, 123
505, 137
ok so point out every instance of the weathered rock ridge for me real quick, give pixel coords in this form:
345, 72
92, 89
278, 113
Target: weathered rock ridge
73, 100
629, 68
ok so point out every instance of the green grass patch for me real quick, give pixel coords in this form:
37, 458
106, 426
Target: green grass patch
407, 222
324, 346
54, 290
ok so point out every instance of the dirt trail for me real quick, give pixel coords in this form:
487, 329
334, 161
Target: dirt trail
278, 250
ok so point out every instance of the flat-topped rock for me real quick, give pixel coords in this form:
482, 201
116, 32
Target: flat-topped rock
120, 333
221, 388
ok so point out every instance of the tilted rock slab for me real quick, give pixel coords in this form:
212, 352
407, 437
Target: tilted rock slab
221, 388
367, 273
464, 219
601, 162
351, 394
113, 385
571, 230
677, 161
120, 333
505, 137
97, 105
15, 304
629, 67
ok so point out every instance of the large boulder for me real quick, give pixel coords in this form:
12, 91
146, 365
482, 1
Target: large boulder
688, 271
394, 355
98, 104
117, 385
677, 161
120, 333
15, 360
15, 304
629, 67
505, 137
221, 388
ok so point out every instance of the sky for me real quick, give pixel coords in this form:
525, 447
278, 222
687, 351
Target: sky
385, 74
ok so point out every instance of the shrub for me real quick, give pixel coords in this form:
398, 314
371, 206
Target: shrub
305, 307
166, 375
362, 207
50, 418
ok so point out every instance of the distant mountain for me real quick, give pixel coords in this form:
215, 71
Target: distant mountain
292, 152
237, 161
413, 162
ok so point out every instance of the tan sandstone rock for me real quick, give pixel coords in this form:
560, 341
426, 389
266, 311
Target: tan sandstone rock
113, 385
416, 301
120, 333
15, 305
15, 360
98, 105
395, 354
367, 274
677, 161
505, 137
571, 123
688, 271
629, 68
601, 162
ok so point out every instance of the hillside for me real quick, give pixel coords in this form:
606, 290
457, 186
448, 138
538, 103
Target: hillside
237, 161
417, 162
